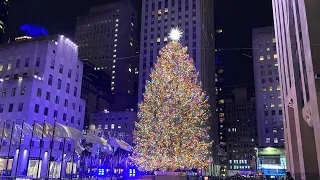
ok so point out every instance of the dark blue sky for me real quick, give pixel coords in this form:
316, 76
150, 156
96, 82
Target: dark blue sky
236, 17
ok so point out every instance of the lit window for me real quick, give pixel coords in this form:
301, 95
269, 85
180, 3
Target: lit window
261, 58
219, 31
279, 96
112, 77
112, 126
275, 130
117, 25
112, 88
268, 57
275, 140
119, 126
114, 55
129, 69
112, 82
116, 30
264, 89
276, 64
115, 45
106, 126
267, 140
158, 39
272, 105
265, 105
221, 101
165, 38
280, 105
113, 72
1, 66
131, 44
9, 65
114, 61
268, 49
274, 40
275, 56
115, 40
159, 11
114, 50
114, 66
115, 35
270, 88
117, 20
278, 88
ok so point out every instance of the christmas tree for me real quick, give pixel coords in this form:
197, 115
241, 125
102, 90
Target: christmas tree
172, 130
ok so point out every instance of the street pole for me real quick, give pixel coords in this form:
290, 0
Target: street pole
30, 145
20, 141
12, 129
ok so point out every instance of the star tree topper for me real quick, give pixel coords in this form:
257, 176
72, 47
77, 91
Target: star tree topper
175, 34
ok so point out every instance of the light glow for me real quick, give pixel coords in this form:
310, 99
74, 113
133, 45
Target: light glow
175, 34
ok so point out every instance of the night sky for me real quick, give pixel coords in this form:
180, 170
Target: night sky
236, 17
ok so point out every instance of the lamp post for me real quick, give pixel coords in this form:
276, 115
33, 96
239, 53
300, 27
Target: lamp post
256, 150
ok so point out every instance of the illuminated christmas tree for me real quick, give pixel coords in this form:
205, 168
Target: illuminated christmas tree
172, 130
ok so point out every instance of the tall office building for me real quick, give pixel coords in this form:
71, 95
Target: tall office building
220, 99
108, 38
4, 9
297, 32
241, 132
267, 88
195, 19
40, 81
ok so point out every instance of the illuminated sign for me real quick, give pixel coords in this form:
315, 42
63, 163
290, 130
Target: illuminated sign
33, 30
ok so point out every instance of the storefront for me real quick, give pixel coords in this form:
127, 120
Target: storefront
6, 164
271, 162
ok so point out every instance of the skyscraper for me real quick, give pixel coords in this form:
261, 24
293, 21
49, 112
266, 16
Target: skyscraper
267, 88
195, 19
241, 135
297, 32
4, 8
107, 38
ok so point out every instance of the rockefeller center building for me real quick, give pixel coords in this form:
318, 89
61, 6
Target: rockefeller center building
40, 84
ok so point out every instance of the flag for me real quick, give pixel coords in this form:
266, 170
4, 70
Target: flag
68, 132
27, 129
119, 143
37, 132
78, 148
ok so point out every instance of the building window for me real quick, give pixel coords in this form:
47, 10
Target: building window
272, 105
20, 107
38, 62
73, 106
23, 91
48, 96
274, 130
36, 108
9, 65
270, 88
265, 113
18, 64
266, 121
55, 114
64, 117
278, 88
39, 92
273, 112
1, 67
68, 88
112, 126
267, 140
13, 91
57, 99
50, 80
66, 103
26, 62
275, 56
61, 69
106, 126
1, 108
264, 96
10, 108
59, 84
52, 63
69, 73
261, 58
275, 140
45, 112
4, 93
280, 112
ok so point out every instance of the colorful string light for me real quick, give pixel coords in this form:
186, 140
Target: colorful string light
172, 130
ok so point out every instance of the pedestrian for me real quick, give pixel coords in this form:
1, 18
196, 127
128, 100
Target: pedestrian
288, 176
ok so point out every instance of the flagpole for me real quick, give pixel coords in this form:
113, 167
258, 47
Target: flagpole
2, 136
20, 141
51, 147
64, 143
74, 150
30, 143
41, 145
9, 147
